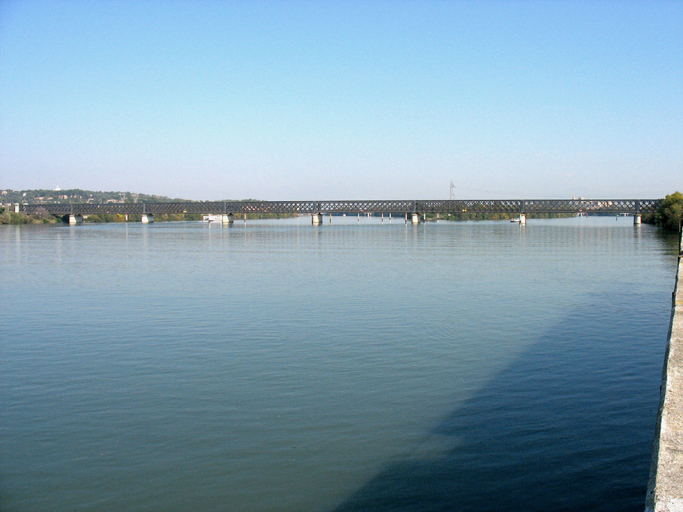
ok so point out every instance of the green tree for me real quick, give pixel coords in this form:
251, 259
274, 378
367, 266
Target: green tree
670, 211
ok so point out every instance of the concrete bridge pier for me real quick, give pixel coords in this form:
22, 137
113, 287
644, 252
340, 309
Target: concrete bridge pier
522, 219
415, 218
76, 219
317, 218
637, 219
228, 218
147, 218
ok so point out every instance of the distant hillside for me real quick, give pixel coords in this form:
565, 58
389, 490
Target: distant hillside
76, 195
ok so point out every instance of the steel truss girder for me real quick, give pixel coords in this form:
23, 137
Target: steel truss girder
513, 206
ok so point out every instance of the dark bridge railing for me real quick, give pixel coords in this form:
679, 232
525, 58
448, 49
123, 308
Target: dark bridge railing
513, 206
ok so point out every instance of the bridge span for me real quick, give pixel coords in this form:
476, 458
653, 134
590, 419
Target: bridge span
411, 208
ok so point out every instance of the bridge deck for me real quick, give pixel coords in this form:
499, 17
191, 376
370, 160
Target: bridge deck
513, 206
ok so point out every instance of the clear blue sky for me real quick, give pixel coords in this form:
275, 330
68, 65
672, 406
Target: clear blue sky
343, 100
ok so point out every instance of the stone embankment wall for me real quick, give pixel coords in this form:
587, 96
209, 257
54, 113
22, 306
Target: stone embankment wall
665, 487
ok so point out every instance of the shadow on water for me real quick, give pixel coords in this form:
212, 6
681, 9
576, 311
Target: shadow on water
567, 426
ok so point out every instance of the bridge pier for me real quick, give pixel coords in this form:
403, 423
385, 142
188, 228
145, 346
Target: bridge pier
317, 218
522, 219
228, 218
147, 218
637, 219
76, 219
415, 218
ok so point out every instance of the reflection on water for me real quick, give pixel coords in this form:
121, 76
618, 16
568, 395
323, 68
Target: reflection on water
276, 365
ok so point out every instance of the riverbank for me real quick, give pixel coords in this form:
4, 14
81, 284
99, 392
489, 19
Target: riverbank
21, 218
665, 486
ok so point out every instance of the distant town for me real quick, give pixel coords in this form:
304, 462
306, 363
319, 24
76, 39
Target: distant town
9, 197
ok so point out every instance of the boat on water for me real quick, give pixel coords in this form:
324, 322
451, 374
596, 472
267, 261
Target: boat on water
516, 219
212, 218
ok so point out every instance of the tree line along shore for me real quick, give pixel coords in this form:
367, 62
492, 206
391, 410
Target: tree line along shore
668, 215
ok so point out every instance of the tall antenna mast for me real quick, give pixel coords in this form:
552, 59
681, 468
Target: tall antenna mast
452, 191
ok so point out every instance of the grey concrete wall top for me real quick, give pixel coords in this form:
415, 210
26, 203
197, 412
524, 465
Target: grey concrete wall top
665, 486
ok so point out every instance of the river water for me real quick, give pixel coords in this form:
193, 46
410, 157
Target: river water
280, 366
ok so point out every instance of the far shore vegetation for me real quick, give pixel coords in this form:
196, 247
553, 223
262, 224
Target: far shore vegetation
7, 217
668, 215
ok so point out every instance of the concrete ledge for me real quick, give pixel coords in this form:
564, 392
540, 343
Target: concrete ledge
665, 486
